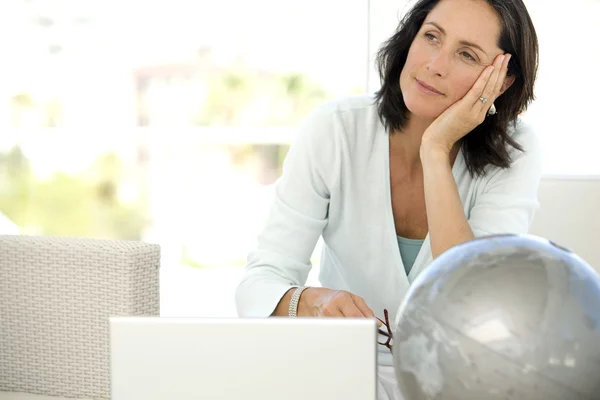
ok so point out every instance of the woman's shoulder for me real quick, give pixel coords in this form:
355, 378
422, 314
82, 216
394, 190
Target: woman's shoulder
344, 119
526, 160
350, 102
334, 121
346, 105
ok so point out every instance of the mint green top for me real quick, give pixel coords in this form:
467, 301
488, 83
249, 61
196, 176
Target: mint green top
409, 249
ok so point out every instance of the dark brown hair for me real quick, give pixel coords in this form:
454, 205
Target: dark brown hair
487, 144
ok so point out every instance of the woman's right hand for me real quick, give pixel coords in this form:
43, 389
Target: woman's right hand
323, 302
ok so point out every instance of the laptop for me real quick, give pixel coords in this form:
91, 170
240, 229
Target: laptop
155, 358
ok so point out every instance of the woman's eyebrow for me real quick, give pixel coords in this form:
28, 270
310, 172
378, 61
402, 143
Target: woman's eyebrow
463, 42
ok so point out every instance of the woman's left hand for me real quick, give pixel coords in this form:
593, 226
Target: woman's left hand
470, 111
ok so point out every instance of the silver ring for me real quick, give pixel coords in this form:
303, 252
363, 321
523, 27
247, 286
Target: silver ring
483, 99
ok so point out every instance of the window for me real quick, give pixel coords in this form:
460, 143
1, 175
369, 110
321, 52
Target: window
164, 121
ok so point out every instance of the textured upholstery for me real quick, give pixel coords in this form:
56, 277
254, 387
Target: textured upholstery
28, 396
56, 297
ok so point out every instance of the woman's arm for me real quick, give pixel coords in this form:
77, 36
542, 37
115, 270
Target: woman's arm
283, 306
510, 196
506, 204
298, 214
448, 225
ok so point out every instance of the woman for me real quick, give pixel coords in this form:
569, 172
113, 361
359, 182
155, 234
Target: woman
437, 157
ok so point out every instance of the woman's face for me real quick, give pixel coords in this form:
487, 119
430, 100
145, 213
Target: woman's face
457, 40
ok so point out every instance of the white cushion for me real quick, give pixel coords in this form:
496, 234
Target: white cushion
27, 396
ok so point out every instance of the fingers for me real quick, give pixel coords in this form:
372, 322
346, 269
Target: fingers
366, 311
344, 304
353, 306
340, 304
503, 75
349, 310
494, 83
475, 93
362, 306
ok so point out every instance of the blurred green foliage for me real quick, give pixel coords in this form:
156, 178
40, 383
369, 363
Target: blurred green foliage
85, 204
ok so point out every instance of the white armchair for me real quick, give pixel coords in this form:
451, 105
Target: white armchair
56, 297
570, 215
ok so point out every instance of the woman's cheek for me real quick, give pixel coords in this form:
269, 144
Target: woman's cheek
465, 84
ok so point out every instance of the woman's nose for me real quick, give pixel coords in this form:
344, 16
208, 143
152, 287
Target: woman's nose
439, 63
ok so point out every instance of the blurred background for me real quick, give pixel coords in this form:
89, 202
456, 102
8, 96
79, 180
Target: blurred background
168, 121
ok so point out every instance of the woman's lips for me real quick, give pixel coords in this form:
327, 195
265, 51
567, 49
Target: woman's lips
428, 89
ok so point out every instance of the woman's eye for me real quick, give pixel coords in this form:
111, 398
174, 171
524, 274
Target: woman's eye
430, 37
468, 56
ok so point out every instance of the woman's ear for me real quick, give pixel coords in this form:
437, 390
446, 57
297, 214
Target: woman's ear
508, 81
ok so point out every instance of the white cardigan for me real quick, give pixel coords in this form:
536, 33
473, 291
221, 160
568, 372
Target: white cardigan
336, 184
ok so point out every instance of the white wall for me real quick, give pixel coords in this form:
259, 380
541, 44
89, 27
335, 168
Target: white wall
570, 215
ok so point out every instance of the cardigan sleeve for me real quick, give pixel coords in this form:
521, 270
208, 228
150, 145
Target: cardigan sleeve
296, 218
509, 199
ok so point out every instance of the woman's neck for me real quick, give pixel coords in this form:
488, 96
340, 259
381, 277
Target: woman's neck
406, 143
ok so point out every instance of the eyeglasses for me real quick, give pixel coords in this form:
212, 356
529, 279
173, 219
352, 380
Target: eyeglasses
388, 332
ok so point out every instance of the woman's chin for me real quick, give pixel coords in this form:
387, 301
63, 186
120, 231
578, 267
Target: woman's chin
424, 111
